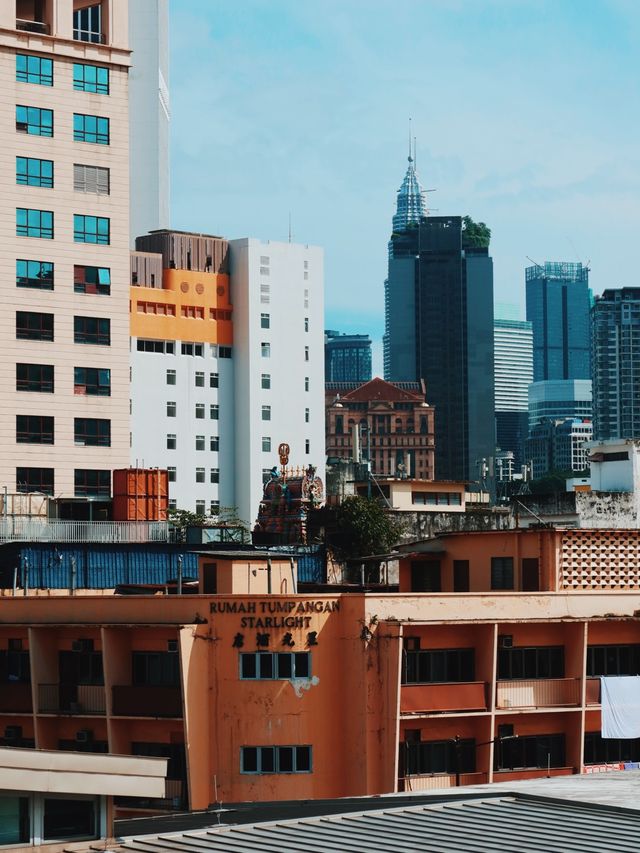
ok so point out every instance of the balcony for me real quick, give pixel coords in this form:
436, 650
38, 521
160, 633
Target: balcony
593, 691
538, 693
33, 27
15, 698
37, 529
432, 782
143, 700
442, 698
76, 699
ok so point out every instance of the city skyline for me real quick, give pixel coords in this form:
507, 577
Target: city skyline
551, 155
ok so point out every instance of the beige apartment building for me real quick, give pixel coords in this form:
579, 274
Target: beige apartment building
64, 245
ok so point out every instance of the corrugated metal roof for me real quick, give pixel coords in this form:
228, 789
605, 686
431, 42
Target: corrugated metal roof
502, 824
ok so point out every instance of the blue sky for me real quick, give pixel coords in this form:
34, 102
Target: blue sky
526, 115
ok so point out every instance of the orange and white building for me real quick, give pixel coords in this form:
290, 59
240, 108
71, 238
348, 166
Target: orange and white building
484, 667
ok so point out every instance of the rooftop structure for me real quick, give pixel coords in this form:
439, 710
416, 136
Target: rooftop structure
347, 358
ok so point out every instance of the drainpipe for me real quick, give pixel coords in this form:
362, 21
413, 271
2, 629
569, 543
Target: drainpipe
269, 575
72, 575
179, 574
25, 576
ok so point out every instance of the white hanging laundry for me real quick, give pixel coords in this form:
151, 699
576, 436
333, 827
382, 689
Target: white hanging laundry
620, 700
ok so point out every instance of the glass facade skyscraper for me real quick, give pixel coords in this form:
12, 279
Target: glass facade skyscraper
347, 358
558, 303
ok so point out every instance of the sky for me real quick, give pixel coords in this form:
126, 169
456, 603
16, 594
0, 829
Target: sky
526, 114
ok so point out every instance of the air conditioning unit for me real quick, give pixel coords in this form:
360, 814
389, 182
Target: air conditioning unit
84, 736
13, 732
14, 645
82, 645
172, 645
505, 641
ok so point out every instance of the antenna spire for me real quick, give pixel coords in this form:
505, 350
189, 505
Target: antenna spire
415, 151
410, 158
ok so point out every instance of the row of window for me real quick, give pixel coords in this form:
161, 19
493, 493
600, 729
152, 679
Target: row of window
33, 172
40, 276
39, 429
38, 121
186, 348
39, 70
199, 378
39, 378
214, 443
445, 756
188, 312
430, 666
40, 223
265, 323
88, 482
35, 326
275, 759
200, 410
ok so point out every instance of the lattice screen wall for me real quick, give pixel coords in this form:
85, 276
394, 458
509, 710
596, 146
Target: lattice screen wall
600, 559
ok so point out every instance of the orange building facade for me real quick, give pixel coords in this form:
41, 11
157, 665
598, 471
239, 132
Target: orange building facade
258, 696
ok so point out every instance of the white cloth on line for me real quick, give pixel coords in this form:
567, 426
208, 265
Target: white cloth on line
620, 701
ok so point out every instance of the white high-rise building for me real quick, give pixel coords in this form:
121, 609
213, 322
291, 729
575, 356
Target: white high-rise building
149, 116
278, 341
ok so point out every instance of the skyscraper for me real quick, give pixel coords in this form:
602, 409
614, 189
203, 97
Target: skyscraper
616, 356
347, 358
439, 326
149, 116
513, 374
64, 232
558, 303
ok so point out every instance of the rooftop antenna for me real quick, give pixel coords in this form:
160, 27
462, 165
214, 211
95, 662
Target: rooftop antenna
415, 152
410, 158
535, 263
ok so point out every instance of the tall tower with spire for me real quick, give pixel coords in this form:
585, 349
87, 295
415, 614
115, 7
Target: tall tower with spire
439, 328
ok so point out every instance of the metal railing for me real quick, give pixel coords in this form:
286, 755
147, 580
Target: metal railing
538, 693
432, 782
30, 529
79, 699
91, 36
32, 26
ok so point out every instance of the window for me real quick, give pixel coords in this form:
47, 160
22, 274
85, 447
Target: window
91, 229
275, 665
214, 475
214, 508
34, 69
171, 377
32, 172
163, 347
200, 442
92, 330
87, 23
155, 668
306, 416
38, 274
68, 818
266, 475
172, 474
94, 129
172, 441
90, 483
199, 379
599, 750
265, 321
438, 666
536, 751
90, 78
306, 324
224, 352
34, 429
214, 443
90, 179
35, 377
425, 576
92, 381
306, 383
34, 223
92, 432
531, 662
199, 475
306, 353
92, 280
214, 411
265, 349
265, 294
192, 349
265, 381
613, 660
34, 480
213, 380
171, 409
34, 121
32, 326
266, 413
438, 756
502, 573
200, 410
275, 759
307, 446
201, 507
306, 298
266, 444
436, 498
461, 575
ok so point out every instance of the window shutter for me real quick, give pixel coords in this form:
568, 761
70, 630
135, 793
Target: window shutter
78, 177
102, 181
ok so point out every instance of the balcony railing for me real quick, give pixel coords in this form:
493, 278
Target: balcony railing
440, 698
77, 699
143, 700
90, 36
30, 529
432, 782
32, 26
592, 691
538, 693
15, 698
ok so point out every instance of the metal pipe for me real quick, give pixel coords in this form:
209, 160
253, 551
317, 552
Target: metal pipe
269, 575
72, 576
25, 576
294, 586
179, 574
15, 579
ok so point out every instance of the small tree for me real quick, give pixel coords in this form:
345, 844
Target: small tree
227, 516
364, 528
475, 235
